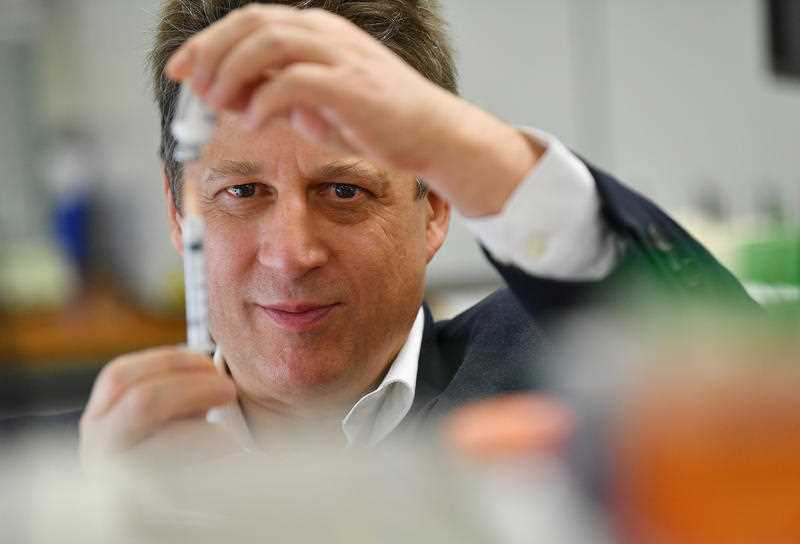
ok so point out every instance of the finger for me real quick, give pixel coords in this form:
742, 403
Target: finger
199, 57
347, 32
147, 407
209, 47
271, 48
300, 85
124, 372
240, 101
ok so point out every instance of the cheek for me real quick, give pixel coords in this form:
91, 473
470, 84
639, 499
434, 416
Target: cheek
228, 254
389, 255
403, 238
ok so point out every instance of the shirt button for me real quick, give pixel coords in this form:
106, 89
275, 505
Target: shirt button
535, 247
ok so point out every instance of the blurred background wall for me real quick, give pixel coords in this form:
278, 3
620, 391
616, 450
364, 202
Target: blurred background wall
678, 99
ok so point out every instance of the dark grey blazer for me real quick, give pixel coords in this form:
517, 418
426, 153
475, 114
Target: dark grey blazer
500, 345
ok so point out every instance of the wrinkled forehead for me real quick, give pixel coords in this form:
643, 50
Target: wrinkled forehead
277, 151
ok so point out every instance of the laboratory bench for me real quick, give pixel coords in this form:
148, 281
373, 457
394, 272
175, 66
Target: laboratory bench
49, 358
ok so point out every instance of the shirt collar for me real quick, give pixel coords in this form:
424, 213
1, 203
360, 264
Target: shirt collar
377, 413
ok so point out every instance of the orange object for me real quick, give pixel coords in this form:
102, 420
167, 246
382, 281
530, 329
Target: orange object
514, 425
710, 462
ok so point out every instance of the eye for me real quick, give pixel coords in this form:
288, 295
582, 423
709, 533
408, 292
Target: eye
242, 191
345, 191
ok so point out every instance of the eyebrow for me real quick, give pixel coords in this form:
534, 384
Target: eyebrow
352, 171
242, 169
342, 169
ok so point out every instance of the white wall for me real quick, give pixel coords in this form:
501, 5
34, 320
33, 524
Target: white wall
693, 101
21, 209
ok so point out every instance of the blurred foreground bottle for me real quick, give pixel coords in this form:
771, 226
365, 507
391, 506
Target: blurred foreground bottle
688, 429
710, 460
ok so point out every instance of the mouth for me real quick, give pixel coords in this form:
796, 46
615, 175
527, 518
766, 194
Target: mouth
297, 317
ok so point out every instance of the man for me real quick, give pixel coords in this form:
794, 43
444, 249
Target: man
340, 147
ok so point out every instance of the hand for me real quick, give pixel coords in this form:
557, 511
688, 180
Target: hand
153, 398
341, 87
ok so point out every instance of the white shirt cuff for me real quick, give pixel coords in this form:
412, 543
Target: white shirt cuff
551, 225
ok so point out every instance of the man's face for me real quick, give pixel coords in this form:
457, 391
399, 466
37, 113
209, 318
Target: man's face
316, 264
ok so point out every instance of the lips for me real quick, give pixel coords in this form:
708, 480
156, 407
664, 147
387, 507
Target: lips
297, 317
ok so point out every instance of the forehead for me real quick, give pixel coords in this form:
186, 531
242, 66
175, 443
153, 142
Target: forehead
276, 150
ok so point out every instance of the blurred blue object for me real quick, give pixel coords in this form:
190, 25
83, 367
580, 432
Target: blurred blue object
71, 177
71, 222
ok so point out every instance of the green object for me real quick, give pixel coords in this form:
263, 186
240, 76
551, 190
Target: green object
773, 260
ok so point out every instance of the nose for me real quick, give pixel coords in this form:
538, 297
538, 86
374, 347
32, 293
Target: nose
291, 243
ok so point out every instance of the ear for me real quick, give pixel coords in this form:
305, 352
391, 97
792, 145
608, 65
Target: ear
173, 216
438, 221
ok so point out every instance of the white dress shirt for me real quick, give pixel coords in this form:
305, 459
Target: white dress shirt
550, 227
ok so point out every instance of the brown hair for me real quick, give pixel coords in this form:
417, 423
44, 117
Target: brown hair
413, 29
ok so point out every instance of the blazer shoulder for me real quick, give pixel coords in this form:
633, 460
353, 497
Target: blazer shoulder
491, 348
500, 305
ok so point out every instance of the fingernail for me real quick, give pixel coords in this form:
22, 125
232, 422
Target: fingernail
178, 61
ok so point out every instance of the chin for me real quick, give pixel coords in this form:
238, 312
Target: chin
304, 372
